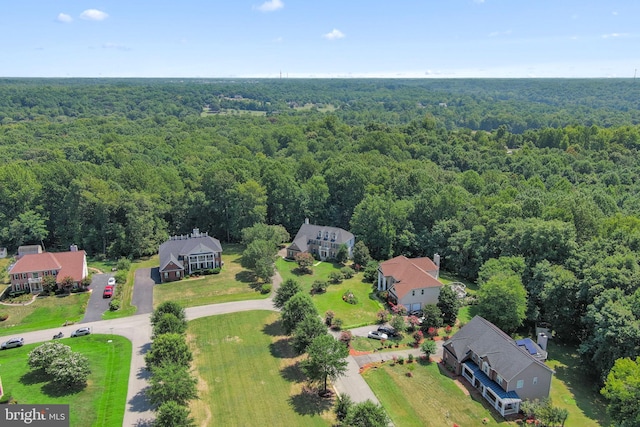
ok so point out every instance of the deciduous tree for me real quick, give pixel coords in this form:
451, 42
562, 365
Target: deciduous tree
326, 359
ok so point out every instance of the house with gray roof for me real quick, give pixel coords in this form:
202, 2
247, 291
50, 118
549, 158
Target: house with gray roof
184, 255
320, 241
504, 372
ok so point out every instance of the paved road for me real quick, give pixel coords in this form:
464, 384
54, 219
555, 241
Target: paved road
96, 305
142, 297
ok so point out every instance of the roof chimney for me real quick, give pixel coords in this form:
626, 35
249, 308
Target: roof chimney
196, 232
306, 220
436, 261
73, 248
542, 340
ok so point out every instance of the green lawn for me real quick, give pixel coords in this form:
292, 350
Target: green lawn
234, 283
405, 342
428, 398
101, 403
575, 389
43, 313
352, 315
249, 375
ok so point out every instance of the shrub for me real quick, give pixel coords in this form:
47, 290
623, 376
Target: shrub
417, 337
409, 374
337, 324
215, 270
121, 276
3, 317
319, 287
347, 272
343, 404
410, 358
349, 297
6, 397
265, 288
114, 305
447, 329
346, 337
123, 264
400, 360
328, 317
431, 332
383, 316
336, 277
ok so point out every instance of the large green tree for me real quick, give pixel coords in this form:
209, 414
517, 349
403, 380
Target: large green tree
327, 359
295, 310
502, 300
622, 390
289, 288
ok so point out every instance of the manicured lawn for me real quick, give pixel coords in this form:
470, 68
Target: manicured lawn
428, 398
126, 309
234, 283
352, 315
43, 313
575, 389
249, 376
100, 403
368, 344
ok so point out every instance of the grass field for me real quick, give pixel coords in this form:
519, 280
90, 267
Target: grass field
234, 283
573, 388
43, 313
352, 315
248, 375
428, 398
101, 403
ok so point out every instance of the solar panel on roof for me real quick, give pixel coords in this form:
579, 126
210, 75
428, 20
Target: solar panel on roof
528, 344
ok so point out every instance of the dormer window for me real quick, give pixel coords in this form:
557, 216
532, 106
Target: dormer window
319, 234
326, 235
333, 237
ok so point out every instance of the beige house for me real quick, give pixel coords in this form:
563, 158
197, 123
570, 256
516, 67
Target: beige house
412, 282
504, 372
321, 241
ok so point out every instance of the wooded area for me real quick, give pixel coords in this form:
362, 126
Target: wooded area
543, 171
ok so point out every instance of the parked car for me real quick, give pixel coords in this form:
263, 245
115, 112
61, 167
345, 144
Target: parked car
80, 332
388, 330
111, 281
13, 342
377, 335
108, 292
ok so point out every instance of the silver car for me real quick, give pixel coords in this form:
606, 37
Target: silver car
80, 332
377, 335
13, 342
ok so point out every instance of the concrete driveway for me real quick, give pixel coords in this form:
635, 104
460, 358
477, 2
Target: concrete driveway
97, 305
143, 283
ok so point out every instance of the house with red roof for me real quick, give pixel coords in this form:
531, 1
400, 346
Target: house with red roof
29, 271
412, 282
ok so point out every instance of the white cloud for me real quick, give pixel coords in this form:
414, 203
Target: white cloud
613, 35
64, 18
94, 15
614, 13
115, 46
270, 6
334, 35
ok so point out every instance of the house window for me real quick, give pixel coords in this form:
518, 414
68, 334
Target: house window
326, 235
319, 234
485, 368
535, 380
333, 236
35, 275
24, 275
499, 379
166, 274
422, 292
413, 293
520, 384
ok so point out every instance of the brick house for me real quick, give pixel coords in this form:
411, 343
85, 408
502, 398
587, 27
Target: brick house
184, 255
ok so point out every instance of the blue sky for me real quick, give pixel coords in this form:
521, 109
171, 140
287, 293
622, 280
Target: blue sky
330, 38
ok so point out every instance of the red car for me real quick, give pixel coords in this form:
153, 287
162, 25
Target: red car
108, 292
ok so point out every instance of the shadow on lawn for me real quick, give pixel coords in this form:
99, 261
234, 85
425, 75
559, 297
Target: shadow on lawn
281, 349
273, 329
245, 276
309, 402
36, 376
292, 373
54, 390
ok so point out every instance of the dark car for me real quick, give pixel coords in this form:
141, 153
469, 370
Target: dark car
108, 291
387, 330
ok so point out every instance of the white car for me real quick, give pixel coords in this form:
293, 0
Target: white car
377, 335
13, 342
111, 281
80, 332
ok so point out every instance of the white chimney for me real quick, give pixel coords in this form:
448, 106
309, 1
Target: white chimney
73, 248
196, 232
306, 220
436, 261
542, 340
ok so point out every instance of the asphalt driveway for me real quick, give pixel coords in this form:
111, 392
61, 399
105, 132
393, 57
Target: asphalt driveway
142, 297
97, 305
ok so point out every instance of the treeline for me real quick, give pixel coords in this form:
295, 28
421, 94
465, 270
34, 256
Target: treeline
563, 200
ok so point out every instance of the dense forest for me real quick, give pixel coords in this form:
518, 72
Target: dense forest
541, 172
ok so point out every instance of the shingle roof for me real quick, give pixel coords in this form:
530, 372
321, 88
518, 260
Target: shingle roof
410, 274
171, 249
310, 231
67, 263
487, 340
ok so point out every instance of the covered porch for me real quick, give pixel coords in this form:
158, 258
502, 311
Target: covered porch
505, 402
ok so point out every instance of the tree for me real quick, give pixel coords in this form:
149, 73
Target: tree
370, 272
49, 283
307, 330
171, 307
342, 407
276, 234
168, 349
449, 304
397, 323
326, 359
67, 283
319, 286
622, 389
502, 300
259, 256
505, 264
432, 317
428, 347
361, 254
169, 323
295, 310
248, 206
343, 254
367, 414
284, 293
171, 382
305, 262
42, 356
70, 370
336, 277
171, 414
